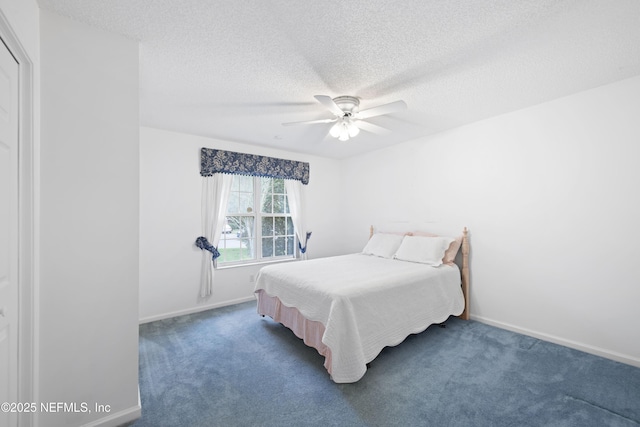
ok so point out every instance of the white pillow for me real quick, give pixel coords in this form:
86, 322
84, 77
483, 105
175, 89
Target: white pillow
425, 250
383, 245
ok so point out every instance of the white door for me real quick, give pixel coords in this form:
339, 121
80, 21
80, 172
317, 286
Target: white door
8, 234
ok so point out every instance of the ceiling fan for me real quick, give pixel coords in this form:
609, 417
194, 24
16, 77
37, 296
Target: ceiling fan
348, 117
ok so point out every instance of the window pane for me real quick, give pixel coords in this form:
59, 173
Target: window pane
290, 225
245, 183
247, 227
234, 245
278, 185
222, 243
267, 185
241, 196
232, 254
280, 225
267, 226
234, 223
267, 247
248, 249
267, 203
229, 249
290, 242
246, 203
280, 246
223, 254
278, 203
232, 206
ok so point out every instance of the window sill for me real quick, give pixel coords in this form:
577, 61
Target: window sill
250, 264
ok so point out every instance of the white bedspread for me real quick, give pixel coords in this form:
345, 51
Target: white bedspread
365, 302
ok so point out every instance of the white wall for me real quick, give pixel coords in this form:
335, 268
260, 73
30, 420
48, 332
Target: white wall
23, 15
170, 221
550, 196
89, 222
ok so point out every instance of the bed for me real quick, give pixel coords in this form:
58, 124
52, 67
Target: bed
350, 307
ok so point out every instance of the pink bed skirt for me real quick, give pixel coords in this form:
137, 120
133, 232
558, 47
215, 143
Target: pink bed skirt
310, 331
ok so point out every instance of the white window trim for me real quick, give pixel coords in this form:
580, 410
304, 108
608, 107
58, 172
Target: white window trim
258, 215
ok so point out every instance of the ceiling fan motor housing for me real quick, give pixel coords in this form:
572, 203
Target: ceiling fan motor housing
348, 104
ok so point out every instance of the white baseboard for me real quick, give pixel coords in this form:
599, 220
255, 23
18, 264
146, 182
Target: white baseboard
622, 358
195, 309
118, 418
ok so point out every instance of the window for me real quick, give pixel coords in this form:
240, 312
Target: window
262, 234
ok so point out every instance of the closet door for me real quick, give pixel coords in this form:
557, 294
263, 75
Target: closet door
9, 227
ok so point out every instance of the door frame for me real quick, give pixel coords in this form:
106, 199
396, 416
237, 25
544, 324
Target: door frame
27, 214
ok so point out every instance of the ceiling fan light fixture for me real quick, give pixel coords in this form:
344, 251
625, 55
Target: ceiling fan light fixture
335, 129
344, 129
353, 129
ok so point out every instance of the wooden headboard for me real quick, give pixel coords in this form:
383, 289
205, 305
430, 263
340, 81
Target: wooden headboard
465, 248
464, 270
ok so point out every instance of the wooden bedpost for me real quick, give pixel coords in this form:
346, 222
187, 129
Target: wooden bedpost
465, 273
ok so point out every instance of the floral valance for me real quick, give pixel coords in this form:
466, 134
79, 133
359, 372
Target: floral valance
220, 161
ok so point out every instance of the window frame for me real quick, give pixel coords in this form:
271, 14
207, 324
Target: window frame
258, 216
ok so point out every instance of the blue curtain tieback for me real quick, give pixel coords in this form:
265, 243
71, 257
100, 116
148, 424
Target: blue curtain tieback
204, 244
304, 249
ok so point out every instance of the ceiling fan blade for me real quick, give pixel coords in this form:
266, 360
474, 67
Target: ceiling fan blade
392, 107
370, 127
310, 122
330, 104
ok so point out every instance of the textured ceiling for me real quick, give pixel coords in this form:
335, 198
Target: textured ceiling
236, 70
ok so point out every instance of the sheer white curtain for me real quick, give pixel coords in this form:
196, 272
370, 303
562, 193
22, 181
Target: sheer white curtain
295, 195
215, 195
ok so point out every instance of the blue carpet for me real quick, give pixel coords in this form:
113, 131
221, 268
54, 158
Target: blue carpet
231, 367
